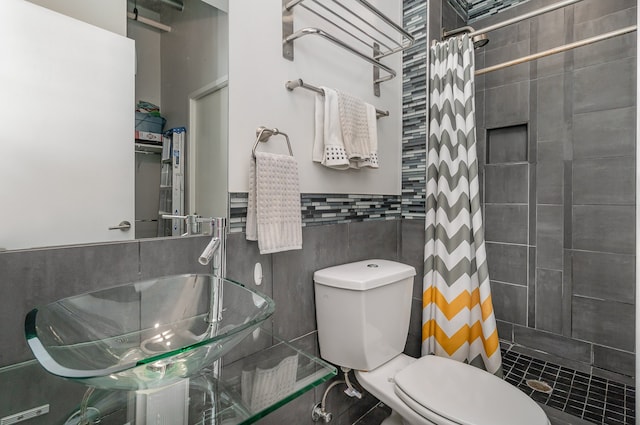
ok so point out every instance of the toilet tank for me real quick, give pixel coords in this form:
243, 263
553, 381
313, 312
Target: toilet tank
363, 312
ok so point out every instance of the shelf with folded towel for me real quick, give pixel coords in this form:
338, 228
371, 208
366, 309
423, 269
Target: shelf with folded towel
353, 18
294, 84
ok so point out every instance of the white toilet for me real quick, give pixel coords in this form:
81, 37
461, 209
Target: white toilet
363, 314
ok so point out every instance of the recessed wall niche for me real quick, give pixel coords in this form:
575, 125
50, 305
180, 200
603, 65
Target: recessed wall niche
507, 144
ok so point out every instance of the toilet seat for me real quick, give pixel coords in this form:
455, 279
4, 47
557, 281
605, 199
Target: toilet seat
436, 387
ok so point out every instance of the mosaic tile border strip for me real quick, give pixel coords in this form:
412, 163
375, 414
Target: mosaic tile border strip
319, 209
414, 111
473, 10
479, 9
591, 398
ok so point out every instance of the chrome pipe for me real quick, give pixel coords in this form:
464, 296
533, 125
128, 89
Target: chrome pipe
559, 49
524, 16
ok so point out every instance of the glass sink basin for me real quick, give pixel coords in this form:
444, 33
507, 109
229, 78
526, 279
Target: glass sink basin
146, 334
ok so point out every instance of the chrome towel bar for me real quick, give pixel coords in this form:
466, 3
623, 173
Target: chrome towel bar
294, 84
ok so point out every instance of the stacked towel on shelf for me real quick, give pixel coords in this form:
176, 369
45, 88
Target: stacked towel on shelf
346, 134
274, 216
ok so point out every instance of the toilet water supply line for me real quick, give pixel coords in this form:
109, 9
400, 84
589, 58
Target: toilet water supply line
319, 411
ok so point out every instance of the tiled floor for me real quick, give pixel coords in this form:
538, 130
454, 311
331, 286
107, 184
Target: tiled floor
594, 399
590, 398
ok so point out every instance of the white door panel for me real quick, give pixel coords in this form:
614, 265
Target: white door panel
66, 129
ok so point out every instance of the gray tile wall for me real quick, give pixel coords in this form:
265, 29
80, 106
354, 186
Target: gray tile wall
34, 277
560, 227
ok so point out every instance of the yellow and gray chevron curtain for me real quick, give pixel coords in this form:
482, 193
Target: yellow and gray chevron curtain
457, 317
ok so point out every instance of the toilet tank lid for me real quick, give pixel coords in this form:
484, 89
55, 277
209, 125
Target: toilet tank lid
363, 275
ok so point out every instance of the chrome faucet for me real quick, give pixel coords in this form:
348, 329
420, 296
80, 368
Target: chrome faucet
216, 248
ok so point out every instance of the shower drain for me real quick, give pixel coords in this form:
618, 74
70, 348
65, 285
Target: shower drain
540, 386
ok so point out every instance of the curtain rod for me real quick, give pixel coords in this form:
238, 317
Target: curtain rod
522, 17
559, 49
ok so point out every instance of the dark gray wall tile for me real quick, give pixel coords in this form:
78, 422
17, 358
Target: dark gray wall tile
36, 277
550, 32
77, 269
608, 323
507, 263
412, 251
553, 121
550, 173
505, 330
589, 10
607, 50
435, 20
553, 344
504, 36
605, 86
505, 184
622, 378
450, 18
606, 228
415, 322
479, 106
532, 287
549, 236
549, 300
512, 74
605, 276
604, 181
507, 144
604, 133
567, 290
242, 256
509, 302
507, 105
506, 223
540, 354
413, 347
162, 257
373, 239
614, 360
293, 292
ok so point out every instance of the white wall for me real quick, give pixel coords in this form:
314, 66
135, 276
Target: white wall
107, 14
257, 74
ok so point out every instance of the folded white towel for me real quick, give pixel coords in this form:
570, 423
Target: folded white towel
345, 131
274, 216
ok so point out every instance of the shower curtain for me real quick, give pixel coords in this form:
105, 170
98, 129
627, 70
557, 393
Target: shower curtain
457, 317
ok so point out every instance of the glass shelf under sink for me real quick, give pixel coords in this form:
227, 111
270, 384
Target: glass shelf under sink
260, 362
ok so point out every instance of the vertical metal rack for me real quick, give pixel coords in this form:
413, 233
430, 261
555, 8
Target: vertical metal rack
353, 19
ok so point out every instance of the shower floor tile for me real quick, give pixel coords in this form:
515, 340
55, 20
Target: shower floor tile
591, 398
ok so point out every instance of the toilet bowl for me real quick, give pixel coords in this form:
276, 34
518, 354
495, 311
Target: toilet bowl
363, 313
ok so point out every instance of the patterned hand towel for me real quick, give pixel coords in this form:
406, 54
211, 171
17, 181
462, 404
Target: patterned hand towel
274, 216
328, 145
345, 131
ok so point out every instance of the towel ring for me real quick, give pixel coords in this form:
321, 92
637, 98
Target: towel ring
263, 134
